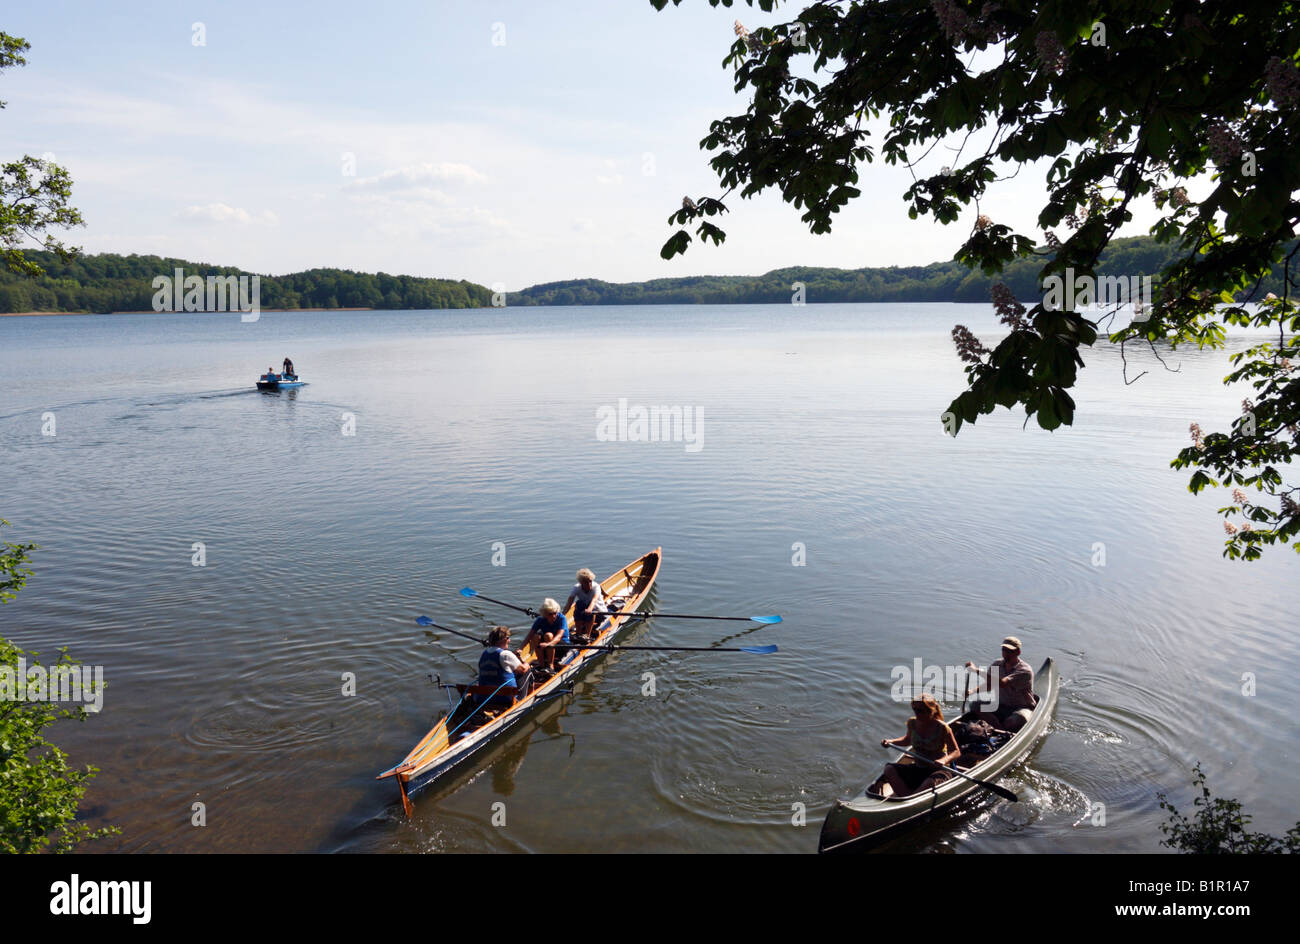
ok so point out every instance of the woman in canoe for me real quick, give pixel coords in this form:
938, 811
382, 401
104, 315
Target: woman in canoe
927, 735
503, 669
586, 598
549, 630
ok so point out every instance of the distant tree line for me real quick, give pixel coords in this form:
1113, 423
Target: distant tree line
938, 282
110, 282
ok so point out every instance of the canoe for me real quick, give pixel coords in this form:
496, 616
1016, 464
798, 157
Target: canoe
442, 750
864, 822
280, 384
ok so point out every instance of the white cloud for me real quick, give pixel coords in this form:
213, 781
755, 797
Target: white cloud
401, 198
461, 224
419, 176
224, 213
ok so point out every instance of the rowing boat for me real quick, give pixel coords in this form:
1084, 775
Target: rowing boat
866, 821
452, 742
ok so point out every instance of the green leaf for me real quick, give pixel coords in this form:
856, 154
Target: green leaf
676, 244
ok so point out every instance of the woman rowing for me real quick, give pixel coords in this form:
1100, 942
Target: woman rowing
928, 736
502, 670
549, 630
586, 598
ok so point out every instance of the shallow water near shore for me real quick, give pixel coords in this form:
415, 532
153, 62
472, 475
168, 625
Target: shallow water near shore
823, 489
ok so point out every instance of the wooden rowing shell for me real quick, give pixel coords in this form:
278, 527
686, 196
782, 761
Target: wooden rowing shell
436, 756
864, 822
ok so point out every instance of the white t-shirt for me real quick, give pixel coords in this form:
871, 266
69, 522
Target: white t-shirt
595, 600
509, 661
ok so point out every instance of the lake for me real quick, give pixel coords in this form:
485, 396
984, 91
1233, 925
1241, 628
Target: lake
427, 446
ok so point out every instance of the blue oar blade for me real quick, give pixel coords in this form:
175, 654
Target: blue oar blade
424, 621
761, 650
769, 620
468, 592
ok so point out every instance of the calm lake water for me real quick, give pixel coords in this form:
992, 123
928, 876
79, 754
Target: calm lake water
820, 430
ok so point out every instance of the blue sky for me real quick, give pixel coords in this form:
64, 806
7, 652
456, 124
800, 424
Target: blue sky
556, 154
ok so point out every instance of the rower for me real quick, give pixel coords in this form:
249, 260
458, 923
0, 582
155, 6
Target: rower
549, 630
1012, 699
585, 598
499, 668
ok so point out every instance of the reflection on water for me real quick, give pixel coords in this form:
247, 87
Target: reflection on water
333, 514
507, 768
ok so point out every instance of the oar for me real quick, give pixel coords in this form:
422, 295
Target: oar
471, 592
766, 620
1000, 791
425, 621
759, 650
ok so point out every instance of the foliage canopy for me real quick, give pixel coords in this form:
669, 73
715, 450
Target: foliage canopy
1150, 99
34, 194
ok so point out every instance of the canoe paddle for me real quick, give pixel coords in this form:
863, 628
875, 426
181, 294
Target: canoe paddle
1000, 791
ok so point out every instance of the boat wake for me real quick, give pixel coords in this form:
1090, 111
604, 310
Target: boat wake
1042, 797
226, 393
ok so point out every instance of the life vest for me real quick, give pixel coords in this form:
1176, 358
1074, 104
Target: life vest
491, 671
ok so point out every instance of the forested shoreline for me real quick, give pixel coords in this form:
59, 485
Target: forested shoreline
109, 282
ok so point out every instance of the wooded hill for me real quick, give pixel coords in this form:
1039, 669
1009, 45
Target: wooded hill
110, 282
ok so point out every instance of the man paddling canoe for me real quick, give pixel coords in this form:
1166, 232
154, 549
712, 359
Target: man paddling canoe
1013, 695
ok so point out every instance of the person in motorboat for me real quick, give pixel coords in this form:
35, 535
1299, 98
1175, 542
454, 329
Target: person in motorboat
586, 599
271, 375
929, 736
1009, 685
498, 667
549, 631
288, 370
